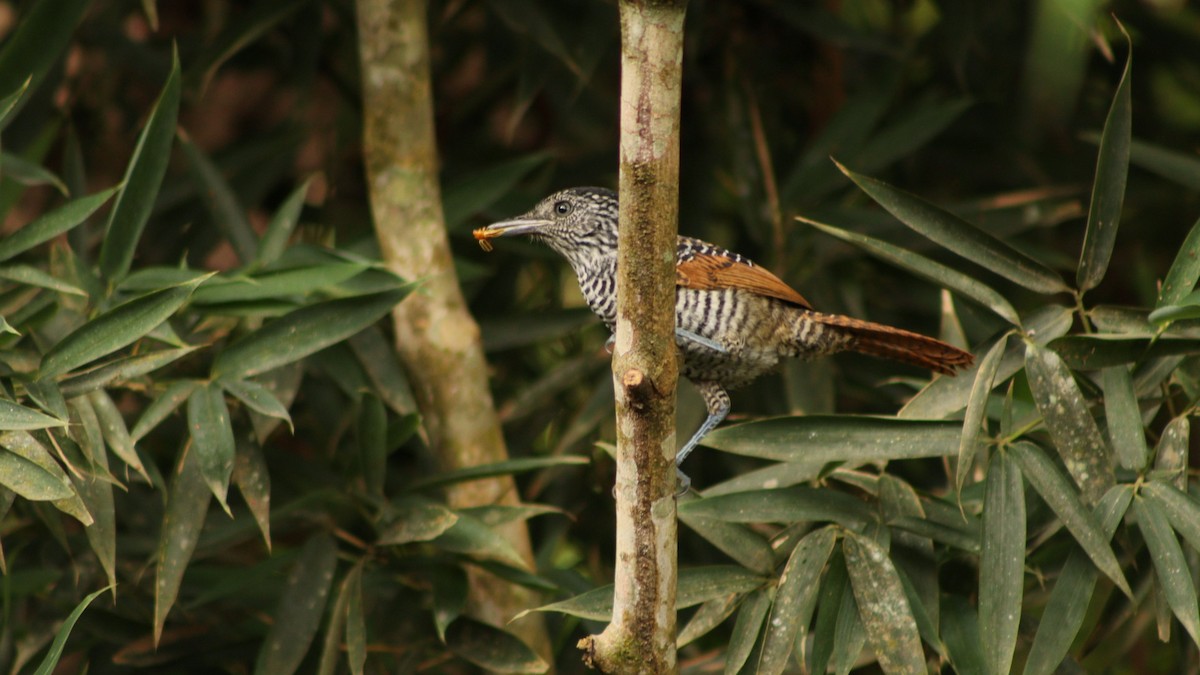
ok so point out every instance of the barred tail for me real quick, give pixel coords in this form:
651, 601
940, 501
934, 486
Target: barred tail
877, 339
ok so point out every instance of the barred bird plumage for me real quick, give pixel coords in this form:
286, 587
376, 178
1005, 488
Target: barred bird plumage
734, 320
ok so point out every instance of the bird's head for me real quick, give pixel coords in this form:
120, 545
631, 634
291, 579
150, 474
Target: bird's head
578, 223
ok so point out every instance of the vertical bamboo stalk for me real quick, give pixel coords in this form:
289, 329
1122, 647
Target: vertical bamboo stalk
436, 337
641, 637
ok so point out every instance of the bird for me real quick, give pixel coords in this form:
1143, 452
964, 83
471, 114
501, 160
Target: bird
734, 320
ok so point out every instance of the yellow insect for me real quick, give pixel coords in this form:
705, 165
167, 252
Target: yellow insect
483, 234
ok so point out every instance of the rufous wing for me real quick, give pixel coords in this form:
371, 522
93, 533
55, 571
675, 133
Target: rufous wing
704, 271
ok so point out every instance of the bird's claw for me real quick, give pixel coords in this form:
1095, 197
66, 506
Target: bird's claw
685, 483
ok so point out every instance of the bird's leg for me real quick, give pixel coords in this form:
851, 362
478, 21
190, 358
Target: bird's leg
716, 400
681, 334
689, 336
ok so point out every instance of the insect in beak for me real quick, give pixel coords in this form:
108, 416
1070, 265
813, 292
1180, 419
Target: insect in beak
483, 234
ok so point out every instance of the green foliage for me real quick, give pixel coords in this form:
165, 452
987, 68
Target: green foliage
190, 302
140, 382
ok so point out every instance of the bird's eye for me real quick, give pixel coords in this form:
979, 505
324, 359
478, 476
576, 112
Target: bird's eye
562, 208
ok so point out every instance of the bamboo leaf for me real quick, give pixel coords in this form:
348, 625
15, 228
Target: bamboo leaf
32, 276
1002, 562
834, 590
15, 417
1066, 609
746, 628
212, 438
927, 269
1171, 454
253, 480
335, 627
143, 177
883, 606
1104, 351
53, 223
944, 396
707, 617
779, 474
849, 635
49, 663
696, 585
112, 426
1185, 271
95, 489
795, 598
121, 369
114, 329
163, 405
470, 536
968, 444
505, 468
701, 584
838, 438
383, 369
735, 540
1058, 494
1182, 168
284, 384
25, 172
450, 589
156, 278
356, 625
785, 505
1075, 434
1124, 418
960, 630
31, 478
491, 648
416, 519
494, 515
283, 223
259, 399
1170, 566
301, 606
10, 101
278, 284
48, 397
1181, 509
960, 236
302, 332
187, 508
1108, 190
940, 532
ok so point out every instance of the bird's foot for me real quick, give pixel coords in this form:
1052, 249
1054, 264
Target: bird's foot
685, 483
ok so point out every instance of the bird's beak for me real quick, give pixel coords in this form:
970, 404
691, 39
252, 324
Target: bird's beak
520, 225
505, 228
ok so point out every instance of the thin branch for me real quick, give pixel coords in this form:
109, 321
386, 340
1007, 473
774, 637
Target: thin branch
641, 637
